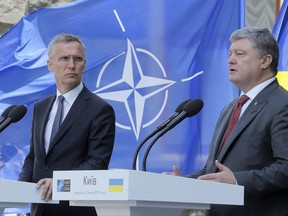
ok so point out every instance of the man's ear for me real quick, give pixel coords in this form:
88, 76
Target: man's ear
266, 61
84, 65
49, 65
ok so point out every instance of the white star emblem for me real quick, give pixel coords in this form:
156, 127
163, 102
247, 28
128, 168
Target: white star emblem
133, 85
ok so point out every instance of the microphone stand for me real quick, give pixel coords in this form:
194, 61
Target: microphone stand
149, 148
159, 128
139, 147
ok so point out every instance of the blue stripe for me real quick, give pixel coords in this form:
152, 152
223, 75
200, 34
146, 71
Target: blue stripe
115, 181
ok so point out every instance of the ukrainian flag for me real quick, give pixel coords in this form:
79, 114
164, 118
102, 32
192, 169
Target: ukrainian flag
282, 77
115, 185
280, 31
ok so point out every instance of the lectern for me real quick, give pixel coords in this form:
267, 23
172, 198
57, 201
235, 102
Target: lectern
138, 193
16, 194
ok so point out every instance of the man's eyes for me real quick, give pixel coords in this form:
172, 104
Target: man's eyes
64, 58
75, 58
237, 53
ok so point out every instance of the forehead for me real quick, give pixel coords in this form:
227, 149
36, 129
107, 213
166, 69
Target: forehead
68, 48
242, 44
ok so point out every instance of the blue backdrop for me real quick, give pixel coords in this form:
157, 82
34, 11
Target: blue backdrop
144, 57
280, 31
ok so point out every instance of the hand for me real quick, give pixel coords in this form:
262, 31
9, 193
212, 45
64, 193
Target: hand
225, 175
176, 171
47, 188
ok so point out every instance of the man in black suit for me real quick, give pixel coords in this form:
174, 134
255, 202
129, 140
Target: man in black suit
85, 138
255, 153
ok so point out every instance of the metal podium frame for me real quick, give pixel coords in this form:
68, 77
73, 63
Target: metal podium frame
17, 194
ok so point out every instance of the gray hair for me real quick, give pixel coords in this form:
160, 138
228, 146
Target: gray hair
262, 40
65, 38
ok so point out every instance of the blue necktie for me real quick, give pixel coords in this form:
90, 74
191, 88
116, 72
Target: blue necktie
58, 117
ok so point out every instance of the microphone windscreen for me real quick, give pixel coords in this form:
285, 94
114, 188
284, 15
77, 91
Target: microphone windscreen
17, 113
7, 111
181, 106
193, 107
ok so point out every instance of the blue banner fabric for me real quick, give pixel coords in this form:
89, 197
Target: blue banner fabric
144, 57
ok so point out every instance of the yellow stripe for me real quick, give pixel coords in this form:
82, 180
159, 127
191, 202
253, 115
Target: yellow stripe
282, 77
116, 188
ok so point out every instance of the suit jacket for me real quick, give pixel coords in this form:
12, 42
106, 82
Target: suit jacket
83, 142
257, 153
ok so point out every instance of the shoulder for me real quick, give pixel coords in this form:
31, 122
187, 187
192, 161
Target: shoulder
279, 96
100, 103
96, 102
277, 102
45, 101
86, 94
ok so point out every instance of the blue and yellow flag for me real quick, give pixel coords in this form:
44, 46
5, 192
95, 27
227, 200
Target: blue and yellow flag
280, 31
116, 185
144, 57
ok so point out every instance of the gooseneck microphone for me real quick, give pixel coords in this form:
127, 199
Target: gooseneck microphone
190, 109
159, 128
5, 113
173, 116
14, 115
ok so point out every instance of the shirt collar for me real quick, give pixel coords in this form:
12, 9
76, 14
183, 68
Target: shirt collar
254, 91
71, 95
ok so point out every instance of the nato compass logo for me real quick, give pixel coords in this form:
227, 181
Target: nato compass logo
132, 88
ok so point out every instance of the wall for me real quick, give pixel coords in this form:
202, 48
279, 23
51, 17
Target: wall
11, 11
258, 13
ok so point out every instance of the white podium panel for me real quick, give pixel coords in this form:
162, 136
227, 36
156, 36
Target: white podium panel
17, 194
130, 192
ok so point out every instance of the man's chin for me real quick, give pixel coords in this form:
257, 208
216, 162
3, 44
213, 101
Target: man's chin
73, 83
233, 78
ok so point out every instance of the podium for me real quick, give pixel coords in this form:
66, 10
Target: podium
17, 194
138, 193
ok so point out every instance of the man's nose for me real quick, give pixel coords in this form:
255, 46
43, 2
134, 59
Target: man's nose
231, 60
71, 62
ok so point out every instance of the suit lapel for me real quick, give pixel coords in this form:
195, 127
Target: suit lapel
45, 113
250, 113
77, 108
221, 127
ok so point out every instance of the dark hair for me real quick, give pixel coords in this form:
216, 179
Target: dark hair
263, 40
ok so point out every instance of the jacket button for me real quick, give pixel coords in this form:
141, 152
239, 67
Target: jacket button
46, 167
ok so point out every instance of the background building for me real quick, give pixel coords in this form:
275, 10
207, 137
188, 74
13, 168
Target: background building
260, 13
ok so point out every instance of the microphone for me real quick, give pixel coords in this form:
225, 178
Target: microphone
5, 113
178, 110
159, 128
190, 109
14, 115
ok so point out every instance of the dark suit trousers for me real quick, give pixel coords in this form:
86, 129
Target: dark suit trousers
62, 209
270, 205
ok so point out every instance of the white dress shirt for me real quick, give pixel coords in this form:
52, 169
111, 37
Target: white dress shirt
70, 97
254, 92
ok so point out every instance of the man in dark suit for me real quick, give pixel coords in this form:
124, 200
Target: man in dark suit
255, 154
85, 138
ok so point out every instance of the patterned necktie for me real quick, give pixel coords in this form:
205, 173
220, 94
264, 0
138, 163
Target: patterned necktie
234, 118
58, 117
